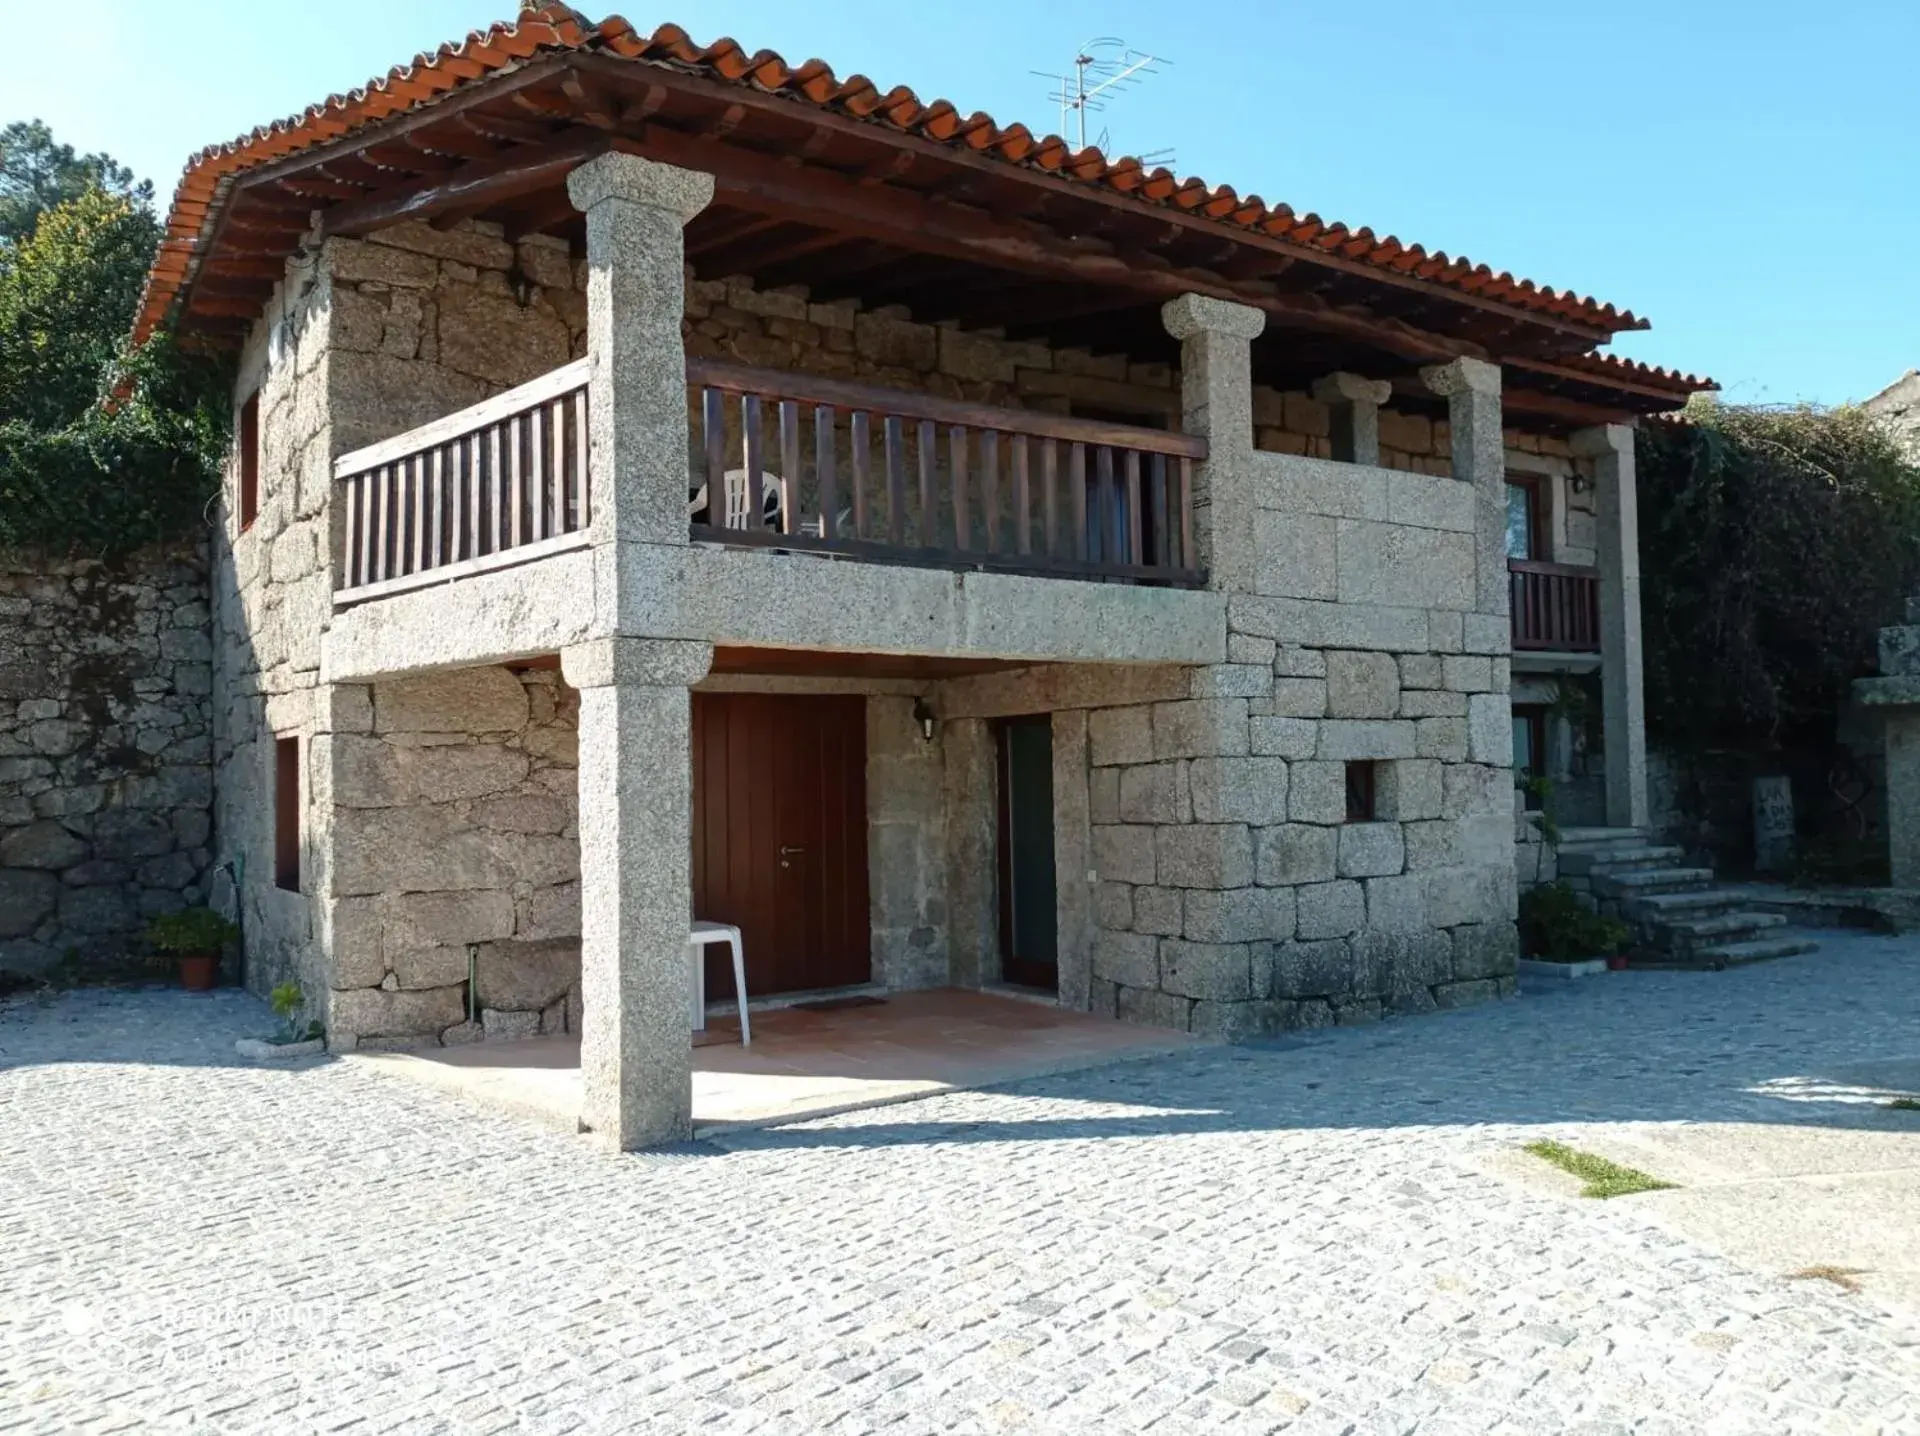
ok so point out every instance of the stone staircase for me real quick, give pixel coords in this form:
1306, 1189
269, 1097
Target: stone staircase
1678, 916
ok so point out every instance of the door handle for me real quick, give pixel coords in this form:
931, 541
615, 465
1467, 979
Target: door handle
786, 852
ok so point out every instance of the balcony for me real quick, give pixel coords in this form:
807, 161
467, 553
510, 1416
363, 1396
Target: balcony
897, 477
887, 477
500, 483
1556, 607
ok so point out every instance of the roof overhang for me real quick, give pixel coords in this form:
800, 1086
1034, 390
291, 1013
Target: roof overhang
857, 193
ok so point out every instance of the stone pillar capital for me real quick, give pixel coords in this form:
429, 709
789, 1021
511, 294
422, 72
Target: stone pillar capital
1344, 388
636, 662
1192, 315
1602, 440
616, 175
1355, 403
1463, 376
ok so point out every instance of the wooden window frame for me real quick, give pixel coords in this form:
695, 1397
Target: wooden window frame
1534, 485
286, 814
1363, 791
1535, 717
248, 443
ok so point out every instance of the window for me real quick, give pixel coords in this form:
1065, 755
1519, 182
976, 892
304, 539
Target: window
286, 813
1529, 752
1525, 538
1360, 792
249, 444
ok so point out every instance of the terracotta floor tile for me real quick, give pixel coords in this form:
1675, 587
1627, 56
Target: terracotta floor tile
804, 1064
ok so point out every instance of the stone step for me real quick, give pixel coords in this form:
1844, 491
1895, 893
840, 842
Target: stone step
1761, 949
1638, 881
1626, 855
1595, 837
1722, 926
1693, 935
1674, 906
1730, 954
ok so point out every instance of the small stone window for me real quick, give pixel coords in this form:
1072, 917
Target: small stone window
249, 446
1361, 791
286, 814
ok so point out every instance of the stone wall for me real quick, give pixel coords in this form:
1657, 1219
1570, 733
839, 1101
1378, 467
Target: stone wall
455, 841
363, 340
1898, 407
1206, 796
906, 848
730, 318
105, 784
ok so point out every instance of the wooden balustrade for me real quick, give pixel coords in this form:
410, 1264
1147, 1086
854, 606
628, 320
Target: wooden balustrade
1556, 606
501, 482
899, 477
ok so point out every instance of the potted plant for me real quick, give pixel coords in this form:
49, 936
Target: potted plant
293, 1038
194, 936
1560, 936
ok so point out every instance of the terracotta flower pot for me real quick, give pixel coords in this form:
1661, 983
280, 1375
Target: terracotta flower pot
198, 970
1617, 963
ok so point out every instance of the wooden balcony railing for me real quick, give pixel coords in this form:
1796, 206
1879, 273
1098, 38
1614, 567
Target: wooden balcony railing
501, 482
1556, 606
909, 478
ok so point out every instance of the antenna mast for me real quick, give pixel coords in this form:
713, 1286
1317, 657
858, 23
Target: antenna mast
1102, 67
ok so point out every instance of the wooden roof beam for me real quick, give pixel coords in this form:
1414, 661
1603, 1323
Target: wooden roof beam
619, 70
473, 187
915, 223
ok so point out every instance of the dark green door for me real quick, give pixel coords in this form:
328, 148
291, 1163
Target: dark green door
1029, 950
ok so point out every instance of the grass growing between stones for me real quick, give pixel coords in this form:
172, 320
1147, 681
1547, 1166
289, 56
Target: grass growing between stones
1603, 1178
1844, 1277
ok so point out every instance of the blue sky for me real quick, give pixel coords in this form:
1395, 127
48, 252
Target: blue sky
1747, 175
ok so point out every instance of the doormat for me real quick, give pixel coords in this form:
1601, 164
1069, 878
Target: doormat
839, 1004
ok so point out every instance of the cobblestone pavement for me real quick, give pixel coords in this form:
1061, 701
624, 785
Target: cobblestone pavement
1304, 1236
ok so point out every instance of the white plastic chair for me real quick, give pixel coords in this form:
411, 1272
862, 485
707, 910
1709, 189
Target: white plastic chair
773, 500
703, 935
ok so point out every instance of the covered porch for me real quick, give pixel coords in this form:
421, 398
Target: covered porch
811, 1060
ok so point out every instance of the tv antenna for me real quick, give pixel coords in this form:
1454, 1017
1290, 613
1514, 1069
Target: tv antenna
1103, 67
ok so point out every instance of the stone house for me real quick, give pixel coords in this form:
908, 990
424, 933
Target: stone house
669, 482
1898, 407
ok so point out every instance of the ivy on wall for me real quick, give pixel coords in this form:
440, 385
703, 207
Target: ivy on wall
1774, 544
102, 449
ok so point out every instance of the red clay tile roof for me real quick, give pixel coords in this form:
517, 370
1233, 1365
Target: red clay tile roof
1619, 367
555, 28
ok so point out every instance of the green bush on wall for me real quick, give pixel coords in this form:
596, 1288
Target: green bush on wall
103, 448
1774, 543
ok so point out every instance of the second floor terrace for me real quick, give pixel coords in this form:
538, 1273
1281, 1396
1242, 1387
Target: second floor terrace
843, 339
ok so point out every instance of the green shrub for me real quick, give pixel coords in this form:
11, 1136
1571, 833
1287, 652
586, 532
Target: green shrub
287, 1001
103, 449
1555, 926
194, 929
1774, 543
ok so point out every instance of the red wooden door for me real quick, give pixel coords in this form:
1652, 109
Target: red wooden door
780, 837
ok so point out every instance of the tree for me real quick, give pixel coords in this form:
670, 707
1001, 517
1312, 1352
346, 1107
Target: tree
1774, 543
36, 174
67, 295
102, 448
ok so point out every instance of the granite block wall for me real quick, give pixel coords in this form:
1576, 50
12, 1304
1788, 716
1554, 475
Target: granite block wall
455, 869
106, 783
363, 339
729, 317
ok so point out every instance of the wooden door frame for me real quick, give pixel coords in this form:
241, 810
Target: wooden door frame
743, 828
